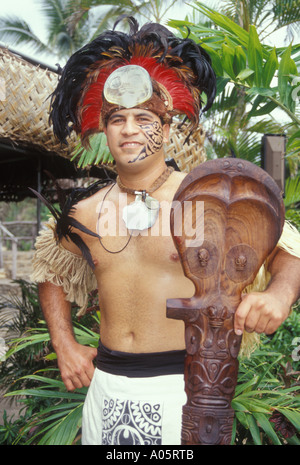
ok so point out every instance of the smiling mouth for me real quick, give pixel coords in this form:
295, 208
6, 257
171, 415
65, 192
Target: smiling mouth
131, 144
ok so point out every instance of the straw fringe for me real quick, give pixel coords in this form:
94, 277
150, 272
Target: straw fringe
289, 242
55, 264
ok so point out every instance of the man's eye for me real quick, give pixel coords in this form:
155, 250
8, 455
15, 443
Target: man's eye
144, 120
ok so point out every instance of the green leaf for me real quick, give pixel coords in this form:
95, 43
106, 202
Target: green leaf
240, 60
254, 429
294, 441
233, 434
45, 393
243, 419
253, 405
292, 191
245, 386
244, 74
65, 430
227, 60
265, 109
216, 61
260, 91
43, 379
51, 356
255, 56
238, 407
287, 68
23, 342
98, 153
292, 415
269, 68
224, 22
221, 84
267, 427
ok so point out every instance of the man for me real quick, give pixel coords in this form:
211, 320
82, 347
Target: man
130, 89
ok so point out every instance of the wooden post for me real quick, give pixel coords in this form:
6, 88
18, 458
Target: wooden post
240, 224
14, 247
1, 250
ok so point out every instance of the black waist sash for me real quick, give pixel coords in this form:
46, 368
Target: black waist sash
140, 365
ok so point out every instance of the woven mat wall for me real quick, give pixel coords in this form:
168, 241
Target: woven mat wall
24, 113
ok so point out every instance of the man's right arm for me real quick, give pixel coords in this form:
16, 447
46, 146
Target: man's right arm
75, 361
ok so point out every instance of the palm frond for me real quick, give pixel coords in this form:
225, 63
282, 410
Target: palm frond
292, 192
15, 30
98, 152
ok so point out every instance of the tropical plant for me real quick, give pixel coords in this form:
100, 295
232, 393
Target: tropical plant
47, 406
28, 315
57, 422
71, 24
61, 40
253, 80
292, 201
97, 153
266, 16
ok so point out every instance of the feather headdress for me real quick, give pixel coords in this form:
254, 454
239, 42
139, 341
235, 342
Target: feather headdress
180, 70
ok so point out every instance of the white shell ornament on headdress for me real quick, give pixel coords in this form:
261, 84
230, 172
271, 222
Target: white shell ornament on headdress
128, 86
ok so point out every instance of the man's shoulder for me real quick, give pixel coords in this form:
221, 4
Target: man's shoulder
179, 176
83, 199
174, 182
89, 194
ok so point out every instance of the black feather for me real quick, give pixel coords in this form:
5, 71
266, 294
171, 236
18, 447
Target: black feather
66, 97
65, 222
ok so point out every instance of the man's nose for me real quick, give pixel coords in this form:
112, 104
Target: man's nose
130, 127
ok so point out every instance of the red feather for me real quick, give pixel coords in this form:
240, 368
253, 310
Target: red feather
91, 105
182, 98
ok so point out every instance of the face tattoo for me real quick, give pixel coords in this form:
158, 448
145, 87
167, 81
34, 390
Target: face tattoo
155, 138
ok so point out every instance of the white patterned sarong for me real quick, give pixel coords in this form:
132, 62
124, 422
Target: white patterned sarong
122, 410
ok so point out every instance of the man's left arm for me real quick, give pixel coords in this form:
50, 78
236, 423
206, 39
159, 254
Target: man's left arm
264, 312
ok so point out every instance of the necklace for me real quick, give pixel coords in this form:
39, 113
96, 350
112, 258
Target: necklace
143, 200
99, 237
142, 213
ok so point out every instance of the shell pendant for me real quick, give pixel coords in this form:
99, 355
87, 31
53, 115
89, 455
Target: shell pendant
141, 213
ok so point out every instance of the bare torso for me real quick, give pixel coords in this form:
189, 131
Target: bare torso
135, 283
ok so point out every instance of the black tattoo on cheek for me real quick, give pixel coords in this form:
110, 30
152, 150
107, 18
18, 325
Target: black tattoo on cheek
155, 137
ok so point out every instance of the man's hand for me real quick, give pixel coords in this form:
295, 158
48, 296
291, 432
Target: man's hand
261, 312
76, 365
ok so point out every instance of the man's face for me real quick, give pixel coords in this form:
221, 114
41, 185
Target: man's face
135, 134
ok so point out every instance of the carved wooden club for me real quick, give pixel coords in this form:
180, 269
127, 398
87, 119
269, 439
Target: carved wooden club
237, 217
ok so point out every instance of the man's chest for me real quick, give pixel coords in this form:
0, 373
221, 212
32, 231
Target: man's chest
116, 244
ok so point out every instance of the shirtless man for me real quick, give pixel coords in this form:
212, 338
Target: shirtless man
144, 348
